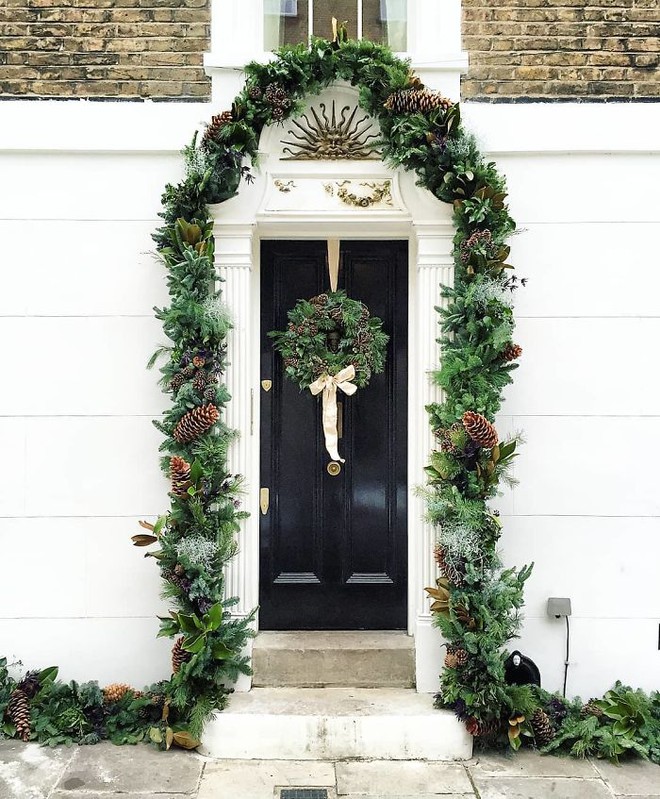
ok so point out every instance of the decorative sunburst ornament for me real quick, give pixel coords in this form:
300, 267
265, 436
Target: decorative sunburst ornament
326, 138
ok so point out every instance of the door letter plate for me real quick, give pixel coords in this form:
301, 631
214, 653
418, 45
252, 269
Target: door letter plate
264, 500
266, 385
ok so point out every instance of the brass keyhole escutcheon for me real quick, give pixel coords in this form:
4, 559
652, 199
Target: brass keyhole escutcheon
334, 468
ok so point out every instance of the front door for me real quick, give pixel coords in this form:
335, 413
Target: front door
333, 547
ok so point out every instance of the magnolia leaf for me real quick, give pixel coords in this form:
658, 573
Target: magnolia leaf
221, 651
48, 674
146, 525
166, 710
155, 735
185, 740
169, 737
215, 616
143, 540
195, 644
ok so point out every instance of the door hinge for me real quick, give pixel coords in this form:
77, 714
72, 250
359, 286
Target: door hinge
264, 500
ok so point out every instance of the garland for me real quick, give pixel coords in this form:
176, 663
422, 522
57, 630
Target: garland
477, 602
305, 345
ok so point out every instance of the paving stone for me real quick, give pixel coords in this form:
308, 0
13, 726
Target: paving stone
541, 788
637, 778
86, 795
257, 779
130, 769
29, 771
530, 764
400, 778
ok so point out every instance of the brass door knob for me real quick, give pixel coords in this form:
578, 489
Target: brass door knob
334, 468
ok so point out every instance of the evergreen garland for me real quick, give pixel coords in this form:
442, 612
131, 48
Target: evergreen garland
476, 602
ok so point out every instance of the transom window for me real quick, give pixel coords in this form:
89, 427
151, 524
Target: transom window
293, 21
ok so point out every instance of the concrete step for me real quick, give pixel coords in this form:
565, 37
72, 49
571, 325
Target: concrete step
335, 724
334, 659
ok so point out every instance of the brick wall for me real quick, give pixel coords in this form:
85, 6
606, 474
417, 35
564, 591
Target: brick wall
126, 49
562, 49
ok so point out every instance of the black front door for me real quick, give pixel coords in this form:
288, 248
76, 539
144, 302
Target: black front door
333, 548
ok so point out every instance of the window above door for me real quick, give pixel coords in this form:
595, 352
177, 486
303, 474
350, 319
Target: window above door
295, 21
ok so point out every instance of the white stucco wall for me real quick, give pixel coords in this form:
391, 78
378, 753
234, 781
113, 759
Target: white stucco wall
81, 184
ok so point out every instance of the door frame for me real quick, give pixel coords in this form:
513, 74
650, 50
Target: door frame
264, 210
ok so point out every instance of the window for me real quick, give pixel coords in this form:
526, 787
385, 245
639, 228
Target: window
288, 21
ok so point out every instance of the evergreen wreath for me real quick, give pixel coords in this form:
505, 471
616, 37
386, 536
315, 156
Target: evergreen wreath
327, 333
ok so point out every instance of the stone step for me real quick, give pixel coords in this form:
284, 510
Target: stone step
335, 724
334, 659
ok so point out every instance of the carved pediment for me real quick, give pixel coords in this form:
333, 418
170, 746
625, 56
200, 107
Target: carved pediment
334, 135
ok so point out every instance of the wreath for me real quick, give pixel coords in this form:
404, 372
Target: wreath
328, 333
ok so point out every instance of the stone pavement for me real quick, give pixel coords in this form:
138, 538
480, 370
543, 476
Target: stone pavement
28, 771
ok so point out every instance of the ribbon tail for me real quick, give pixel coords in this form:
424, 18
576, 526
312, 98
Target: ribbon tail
330, 422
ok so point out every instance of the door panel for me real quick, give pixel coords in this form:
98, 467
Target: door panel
333, 548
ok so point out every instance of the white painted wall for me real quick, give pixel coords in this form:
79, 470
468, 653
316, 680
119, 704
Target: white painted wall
81, 184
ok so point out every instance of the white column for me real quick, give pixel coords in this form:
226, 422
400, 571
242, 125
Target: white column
434, 269
234, 263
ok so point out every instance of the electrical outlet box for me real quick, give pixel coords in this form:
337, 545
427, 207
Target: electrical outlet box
559, 606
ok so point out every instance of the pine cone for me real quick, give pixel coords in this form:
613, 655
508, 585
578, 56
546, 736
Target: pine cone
179, 475
413, 101
543, 730
198, 361
199, 383
209, 393
179, 655
456, 656
30, 684
217, 123
182, 583
480, 430
511, 352
18, 711
255, 92
450, 572
320, 299
446, 437
177, 381
195, 423
481, 729
591, 709
115, 691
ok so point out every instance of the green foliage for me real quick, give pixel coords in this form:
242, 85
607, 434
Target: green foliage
624, 723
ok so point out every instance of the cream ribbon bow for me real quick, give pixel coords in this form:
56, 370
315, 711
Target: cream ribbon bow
328, 384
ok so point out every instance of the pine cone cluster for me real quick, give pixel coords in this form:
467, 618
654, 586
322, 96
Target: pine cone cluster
179, 476
179, 655
416, 101
18, 712
480, 430
511, 352
115, 691
480, 239
278, 99
217, 123
195, 423
455, 657
544, 732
